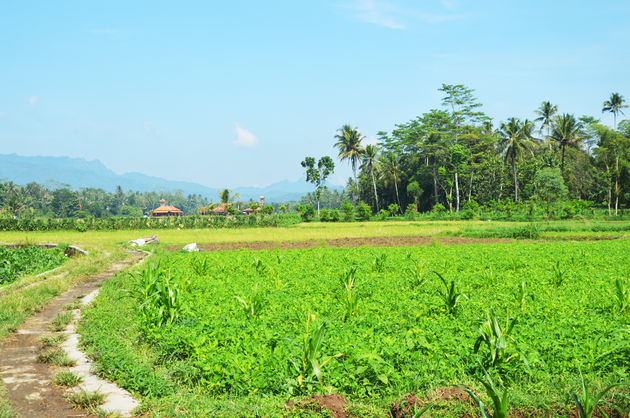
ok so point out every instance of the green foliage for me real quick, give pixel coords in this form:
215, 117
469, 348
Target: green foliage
500, 402
558, 274
350, 297
588, 402
622, 296
329, 215
27, 260
348, 211
253, 305
307, 212
55, 356
363, 211
85, 399
450, 295
60, 322
161, 296
379, 263
67, 379
521, 295
498, 340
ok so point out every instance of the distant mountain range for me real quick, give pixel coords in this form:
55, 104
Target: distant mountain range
79, 173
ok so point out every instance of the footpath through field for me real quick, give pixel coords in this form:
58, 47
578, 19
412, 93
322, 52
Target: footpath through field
28, 383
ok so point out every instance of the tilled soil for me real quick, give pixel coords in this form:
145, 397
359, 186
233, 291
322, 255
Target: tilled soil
28, 383
341, 242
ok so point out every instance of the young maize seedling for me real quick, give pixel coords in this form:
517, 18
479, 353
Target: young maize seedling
350, 297
450, 295
310, 363
416, 411
497, 338
261, 268
558, 274
379, 263
521, 296
589, 402
252, 306
200, 265
416, 276
622, 294
500, 402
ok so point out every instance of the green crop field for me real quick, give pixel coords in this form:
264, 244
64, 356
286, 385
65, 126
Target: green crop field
30, 260
239, 333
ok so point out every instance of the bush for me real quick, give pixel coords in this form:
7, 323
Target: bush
470, 209
307, 212
393, 209
329, 215
363, 211
348, 211
438, 208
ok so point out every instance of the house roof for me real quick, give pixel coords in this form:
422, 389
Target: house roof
167, 209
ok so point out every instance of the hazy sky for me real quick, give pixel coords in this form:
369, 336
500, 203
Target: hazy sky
236, 93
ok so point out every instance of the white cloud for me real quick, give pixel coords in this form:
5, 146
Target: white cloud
370, 140
33, 100
148, 128
244, 138
376, 12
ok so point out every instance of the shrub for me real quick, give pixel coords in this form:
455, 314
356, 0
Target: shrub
307, 212
363, 211
348, 211
438, 208
329, 215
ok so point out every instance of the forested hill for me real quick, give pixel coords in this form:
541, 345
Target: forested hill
78, 173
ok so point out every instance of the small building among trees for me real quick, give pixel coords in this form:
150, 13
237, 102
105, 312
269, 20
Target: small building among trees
167, 210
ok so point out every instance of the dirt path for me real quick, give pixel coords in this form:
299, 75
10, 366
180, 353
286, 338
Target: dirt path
341, 242
28, 382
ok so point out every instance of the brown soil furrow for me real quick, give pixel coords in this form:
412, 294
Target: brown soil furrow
341, 242
28, 382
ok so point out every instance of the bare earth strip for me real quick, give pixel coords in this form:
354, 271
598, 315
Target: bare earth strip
342, 242
28, 383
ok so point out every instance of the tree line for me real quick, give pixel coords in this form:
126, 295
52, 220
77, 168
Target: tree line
455, 155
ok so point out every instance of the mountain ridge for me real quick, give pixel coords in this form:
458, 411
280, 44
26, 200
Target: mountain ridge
78, 173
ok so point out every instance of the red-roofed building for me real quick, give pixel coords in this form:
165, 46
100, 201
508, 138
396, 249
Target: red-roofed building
167, 210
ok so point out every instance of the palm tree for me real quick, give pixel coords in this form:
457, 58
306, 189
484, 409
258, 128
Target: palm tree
350, 148
545, 113
566, 132
227, 198
367, 162
388, 165
614, 106
516, 138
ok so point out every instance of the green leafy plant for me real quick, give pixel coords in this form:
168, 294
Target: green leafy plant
67, 379
55, 356
61, 321
53, 340
622, 296
379, 263
450, 295
85, 399
253, 305
589, 402
500, 402
416, 275
350, 297
200, 265
311, 362
498, 340
260, 266
521, 295
558, 274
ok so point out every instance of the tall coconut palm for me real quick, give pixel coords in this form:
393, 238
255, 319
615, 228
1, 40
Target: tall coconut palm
389, 168
227, 198
349, 145
368, 161
545, 113
614, 106
566, 132
516, 139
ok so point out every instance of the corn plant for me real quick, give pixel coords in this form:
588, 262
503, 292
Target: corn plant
260, 266
349, 298
497, 339
161, 296
558, 274
488, 275
521, 295
310, 364
415, 410
589, 402
200, 265
622, 296
500, 402
379, 263
450, 295
416, 275
253, 305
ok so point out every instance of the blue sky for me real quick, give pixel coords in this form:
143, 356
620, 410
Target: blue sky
236, 93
